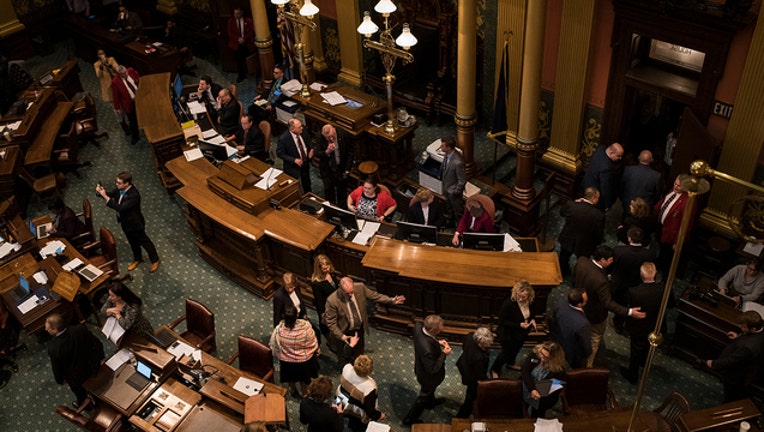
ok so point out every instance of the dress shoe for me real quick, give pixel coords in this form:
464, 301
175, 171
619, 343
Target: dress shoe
154, 266
133, 265
629, 377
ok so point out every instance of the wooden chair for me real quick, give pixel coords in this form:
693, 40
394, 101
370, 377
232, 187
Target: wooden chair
200, 326
43, 188
66, 154
672, 408
255, 357
485, 201
265, 128
85, 118
500, 398
102, 419
587, 390
88, 236
107, 246
235, 95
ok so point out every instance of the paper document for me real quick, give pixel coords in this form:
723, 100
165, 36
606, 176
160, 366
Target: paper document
317, 86
367, 232
752, 305
333, 98
510, 244
112, 330
545, 425
209, 133
753, 248
40, 277
118, 359
179, 349
216, 140
291, 87
377, 427
268, 178
193, 154
73, 264
5, 249
546, 387
248, 386
470, 189
289, 103
29, 304
52, 248
13, 126
196, 108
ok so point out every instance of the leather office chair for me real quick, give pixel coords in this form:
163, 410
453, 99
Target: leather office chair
43, 188
18, 75
200, 326
88, 236
107, 260
500, 398
672, 408
254, 356
86, 121
265, 128
488, 205
66, 153
587, 390
102, 419
235, 95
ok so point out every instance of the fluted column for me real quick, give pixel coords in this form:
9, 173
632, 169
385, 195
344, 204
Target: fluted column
14, 39
10, 23
308, 53
466, 71
167, 7
744, 138
572, 67
319, 63
510, 23
263, 40
528, 131
348, 19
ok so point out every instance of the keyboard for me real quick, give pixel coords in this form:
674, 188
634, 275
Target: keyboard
165, 338
137, 381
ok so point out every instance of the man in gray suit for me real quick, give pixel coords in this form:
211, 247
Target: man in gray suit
453, 177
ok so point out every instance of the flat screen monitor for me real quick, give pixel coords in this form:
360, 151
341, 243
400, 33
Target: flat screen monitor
143, 369
483, 241
214, 151
177, 90
339, 217
416, 233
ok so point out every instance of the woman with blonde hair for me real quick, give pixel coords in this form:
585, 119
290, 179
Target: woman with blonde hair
324, 281
424, 209
546, 361
515, 322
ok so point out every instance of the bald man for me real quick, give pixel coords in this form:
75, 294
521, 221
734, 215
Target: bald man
603, 173
640, 181
334, 151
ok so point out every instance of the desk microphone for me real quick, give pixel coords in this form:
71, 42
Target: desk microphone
181, 103
268, 180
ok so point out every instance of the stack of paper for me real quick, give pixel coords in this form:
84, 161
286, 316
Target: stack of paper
368, 231
196, 108
52, 248
291, 87
333, 98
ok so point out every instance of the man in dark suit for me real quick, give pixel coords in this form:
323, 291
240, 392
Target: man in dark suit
241, 40
640, 181
429, 365
572, 330
129, 22
124, 85
126, 200
740, 362
249, 139
75, 354
288, 294
627, 262
602, 173
208, 92
334, 152
453, 178
670, 210
584, 228
591, 277
292, 148
228, 113
347, 320
647, 296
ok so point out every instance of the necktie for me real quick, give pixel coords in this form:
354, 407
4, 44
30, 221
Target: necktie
130, 87
444, 164
241, 28
667, 204
301, 149
354, 313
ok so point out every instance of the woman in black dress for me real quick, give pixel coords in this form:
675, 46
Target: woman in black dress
473, 365
546, 361
640, 216
324, 282
515, 322
425, 210
316, 413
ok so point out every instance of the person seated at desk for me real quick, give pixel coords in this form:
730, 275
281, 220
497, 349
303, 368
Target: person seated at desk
207, 92
125, 306
546, 361
424, 210
743, 282
274, 94
66, 224
249, 141
128, 21
228, 113
370, 202
475, 219
740, 362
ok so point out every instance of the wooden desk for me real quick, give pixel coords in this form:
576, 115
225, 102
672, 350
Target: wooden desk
465, 287
353, 120
35, 116
34, 320
723, 417
18, 229
86, 288
159, 124
41, 148
605, 421
173, 402
9, 165
206, 418
67, 79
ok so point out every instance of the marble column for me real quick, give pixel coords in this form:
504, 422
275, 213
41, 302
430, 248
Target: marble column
466, 71
350, 41
263, 41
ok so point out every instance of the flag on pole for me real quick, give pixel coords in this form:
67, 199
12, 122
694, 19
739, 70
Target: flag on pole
502, 98
287, 41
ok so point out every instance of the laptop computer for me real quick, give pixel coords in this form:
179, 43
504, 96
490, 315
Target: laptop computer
22, 291
89, 272
163, 338
141, 377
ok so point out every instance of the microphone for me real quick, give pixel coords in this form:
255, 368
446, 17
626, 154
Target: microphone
181, 103
268, 180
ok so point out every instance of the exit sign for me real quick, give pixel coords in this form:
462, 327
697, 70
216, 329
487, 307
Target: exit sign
722, 109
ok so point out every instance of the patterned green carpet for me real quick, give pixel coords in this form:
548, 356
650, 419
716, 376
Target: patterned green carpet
28, 401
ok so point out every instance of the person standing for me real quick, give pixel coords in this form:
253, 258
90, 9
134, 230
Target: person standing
126, 201
546, 361
124, 86
324, 281
105, 70
294, 343
515, 322
241, 40
740, 362
334, 152
670, 211
429, 365
75, 355
602, 174
627, 261
473, 365
293, 150
592, 278
453, 177
316, 413
640, 181
357, 385
648, 296
288, 295
347, 320
584, 228
572, 330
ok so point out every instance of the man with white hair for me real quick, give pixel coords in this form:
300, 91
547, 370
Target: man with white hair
124, 87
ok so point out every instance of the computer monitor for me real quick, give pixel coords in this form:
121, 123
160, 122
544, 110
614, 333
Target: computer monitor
143, 369
213, 151
339, 217
177, 91
416, 233
483, 241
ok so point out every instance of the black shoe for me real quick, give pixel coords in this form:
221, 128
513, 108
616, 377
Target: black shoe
5, 377
629, 377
